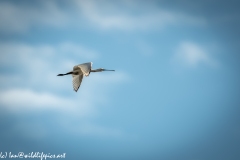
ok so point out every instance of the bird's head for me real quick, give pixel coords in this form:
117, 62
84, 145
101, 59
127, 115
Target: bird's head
99, 70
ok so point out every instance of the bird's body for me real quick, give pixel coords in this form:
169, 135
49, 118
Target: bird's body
81, 70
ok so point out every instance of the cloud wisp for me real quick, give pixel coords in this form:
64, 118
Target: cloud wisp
192, 55
29, 84
20, 18
100, 15
35, 74
110, 16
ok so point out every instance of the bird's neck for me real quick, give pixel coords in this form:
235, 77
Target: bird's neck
96, 70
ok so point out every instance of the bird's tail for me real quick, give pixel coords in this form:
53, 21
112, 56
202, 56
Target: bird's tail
64, 74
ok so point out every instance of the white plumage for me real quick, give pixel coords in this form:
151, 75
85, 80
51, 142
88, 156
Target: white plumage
82, 70
85, 68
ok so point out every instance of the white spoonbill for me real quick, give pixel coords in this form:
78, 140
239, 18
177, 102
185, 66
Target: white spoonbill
82, 70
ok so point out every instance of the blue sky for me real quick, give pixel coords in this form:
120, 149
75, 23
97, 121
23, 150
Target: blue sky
174, 95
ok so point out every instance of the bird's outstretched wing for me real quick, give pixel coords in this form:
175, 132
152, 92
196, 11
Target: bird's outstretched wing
77, 80
85, 68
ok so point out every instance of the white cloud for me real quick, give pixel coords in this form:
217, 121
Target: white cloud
19, 18
25, 51
32, 85
103, 15
33, 75
136, 16
18, 100
36, 66
192, 55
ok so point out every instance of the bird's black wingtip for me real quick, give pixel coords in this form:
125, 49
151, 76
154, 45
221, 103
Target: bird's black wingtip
75, 90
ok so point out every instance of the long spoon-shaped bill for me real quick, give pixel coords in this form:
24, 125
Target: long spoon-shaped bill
108, 70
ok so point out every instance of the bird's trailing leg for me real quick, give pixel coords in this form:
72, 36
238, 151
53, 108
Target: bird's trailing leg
64, 74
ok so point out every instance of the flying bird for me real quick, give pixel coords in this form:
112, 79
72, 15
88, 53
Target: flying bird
82, 70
